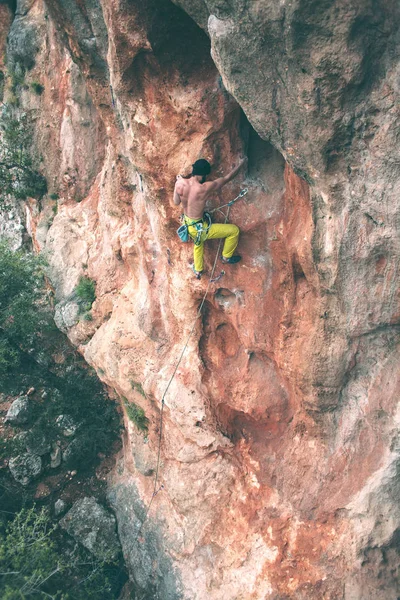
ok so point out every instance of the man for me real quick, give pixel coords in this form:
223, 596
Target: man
193, 193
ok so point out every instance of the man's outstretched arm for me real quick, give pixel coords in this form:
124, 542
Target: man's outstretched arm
216, 185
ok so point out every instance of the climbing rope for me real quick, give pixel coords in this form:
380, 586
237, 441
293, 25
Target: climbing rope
211, 280
242, 193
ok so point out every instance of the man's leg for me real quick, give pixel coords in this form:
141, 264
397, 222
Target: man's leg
198, 255
228, 231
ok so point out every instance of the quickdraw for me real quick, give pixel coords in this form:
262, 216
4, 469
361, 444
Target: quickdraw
218, 277
242, 193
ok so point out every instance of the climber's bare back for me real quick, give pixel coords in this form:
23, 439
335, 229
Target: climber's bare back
193, 196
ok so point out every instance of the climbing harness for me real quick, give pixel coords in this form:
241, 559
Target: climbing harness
199, 224
156, 489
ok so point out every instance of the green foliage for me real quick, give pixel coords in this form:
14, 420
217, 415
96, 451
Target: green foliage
17, 174
82, 396
86, 291
137, 415
17, 76
138, 387
37, 87
37, 560
23, 315
28, 339
54, 196
11, 445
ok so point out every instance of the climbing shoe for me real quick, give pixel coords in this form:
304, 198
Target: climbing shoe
232, 260
197, 274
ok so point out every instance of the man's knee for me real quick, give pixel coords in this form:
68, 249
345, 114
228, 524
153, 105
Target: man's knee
236, 230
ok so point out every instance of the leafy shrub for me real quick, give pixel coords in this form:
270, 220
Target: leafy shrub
17, 175
28, 340
23, 315
138, 387
37, 87
86, 291
17, 75
37, 560
137, 415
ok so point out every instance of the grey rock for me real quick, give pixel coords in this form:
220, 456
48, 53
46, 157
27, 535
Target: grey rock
20, 411
130, 512
24, 41
59, 507
37, 442
67, 425
94, 527
55, 456
25, 468
12, 230
66, 315
78, 452
24, 6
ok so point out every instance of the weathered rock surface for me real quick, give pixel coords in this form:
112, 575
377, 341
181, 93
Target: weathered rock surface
280, 451
25, 468
55, 456
59, 507
77, 453
94, 527
67, 425
37, 442
20, 411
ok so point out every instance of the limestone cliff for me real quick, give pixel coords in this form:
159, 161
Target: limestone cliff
280, 446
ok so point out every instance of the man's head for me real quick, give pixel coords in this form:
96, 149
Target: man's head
201, 168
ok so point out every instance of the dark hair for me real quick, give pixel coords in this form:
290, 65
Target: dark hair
201, 167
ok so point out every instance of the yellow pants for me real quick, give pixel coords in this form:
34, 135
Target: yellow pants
216, 231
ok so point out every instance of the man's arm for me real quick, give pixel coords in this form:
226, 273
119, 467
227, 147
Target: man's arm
177, 199
217, 184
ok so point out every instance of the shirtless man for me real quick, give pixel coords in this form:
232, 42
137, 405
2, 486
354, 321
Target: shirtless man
193, 194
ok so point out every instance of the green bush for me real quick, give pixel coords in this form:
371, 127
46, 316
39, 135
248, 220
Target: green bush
37, 560
17, 174
28, 341
24, 318
86, 291
37, 87
137, 387
137, 415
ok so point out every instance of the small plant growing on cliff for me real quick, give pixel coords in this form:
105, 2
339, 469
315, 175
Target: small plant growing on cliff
86, 291
137, 415
37, 87
17, 76
137, 387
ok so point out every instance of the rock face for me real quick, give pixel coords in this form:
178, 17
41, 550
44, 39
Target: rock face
94, 527
280, 451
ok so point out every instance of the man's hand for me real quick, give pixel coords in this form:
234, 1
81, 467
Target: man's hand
221, 181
